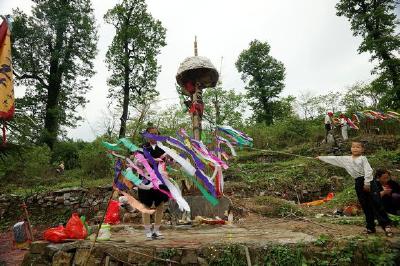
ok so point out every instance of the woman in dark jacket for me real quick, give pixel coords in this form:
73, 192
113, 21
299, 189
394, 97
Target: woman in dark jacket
387, 191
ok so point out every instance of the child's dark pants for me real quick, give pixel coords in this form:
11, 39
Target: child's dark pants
367, 204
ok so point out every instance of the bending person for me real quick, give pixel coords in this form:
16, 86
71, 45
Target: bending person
386, 191
153, 197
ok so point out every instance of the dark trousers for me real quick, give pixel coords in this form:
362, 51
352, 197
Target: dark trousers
370, 208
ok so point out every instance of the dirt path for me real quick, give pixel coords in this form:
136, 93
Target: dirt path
8, 254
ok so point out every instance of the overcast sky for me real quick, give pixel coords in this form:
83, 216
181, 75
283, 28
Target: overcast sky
316, 47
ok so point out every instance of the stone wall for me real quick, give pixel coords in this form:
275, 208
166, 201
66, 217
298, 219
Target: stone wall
83, 201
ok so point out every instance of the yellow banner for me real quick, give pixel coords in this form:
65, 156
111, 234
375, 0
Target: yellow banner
6, 74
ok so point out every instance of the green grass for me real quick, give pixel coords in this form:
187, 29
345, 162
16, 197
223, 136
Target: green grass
69, 179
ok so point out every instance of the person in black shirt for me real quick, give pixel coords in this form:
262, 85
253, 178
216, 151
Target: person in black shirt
386, 191
153, 197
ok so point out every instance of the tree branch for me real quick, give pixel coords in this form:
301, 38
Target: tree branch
31, 76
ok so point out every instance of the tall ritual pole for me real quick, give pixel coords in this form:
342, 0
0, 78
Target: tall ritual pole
197, 103
196, 73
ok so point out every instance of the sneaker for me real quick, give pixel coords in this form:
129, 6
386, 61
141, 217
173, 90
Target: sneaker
149, 236
370, 231
388, 231
157, 235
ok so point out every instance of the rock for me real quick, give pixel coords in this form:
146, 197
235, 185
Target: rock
202, 262
34, 259
262, 193
189, 257
67, 196
60, 199
67, 203
62, 258
48, 198
80, 256
136, 257
199, 206
131, 218
38, 247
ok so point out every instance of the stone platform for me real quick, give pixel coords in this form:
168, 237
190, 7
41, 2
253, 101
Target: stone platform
187, 245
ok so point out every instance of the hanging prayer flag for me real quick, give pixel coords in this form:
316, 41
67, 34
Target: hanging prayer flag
6, 74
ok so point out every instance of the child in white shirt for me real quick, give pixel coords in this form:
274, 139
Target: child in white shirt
358, 167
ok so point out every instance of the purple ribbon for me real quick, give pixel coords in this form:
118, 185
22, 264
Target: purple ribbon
117, 171
196, 159
199, 164
154, 164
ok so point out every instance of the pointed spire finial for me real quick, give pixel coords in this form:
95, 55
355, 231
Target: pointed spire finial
195, 46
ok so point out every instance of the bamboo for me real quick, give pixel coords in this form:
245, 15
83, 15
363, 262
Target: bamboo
27, 219
98, 230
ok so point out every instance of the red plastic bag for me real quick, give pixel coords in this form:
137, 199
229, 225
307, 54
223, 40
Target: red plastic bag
112, 214
55, 234
75, 228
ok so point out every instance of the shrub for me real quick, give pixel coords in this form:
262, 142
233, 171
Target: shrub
94, 160
26, 164
68, 152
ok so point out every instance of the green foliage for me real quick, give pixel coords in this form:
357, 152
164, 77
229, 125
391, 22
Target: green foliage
53, 52
230, 255
94, 160
376, 23
67, 152
223, 107
286, 133
26, 165
264, 76
323, 240
132, 55
168, 253
276, 207
344, 198
283, 255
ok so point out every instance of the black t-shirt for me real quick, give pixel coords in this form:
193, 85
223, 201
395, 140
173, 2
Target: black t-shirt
155, 152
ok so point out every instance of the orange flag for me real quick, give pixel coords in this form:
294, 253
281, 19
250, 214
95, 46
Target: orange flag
6, 74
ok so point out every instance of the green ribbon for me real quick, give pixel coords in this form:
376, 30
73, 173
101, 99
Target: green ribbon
128, 174
110, 146
124, 141
203, 191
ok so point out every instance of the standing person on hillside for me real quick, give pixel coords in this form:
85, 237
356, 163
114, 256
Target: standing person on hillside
328, 125
153, 197
344, 126
358, 167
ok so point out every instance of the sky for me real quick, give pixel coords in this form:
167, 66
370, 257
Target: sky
317, 47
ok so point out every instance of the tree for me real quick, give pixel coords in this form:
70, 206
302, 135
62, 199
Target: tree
223, 107
132, 56
375, 21
264, 77
284, 108
52, 54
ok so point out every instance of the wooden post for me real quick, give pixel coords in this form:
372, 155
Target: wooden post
98, 229
27, 219
197, 99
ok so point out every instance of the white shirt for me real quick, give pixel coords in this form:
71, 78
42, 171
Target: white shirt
328, 120
356, 167
343, 122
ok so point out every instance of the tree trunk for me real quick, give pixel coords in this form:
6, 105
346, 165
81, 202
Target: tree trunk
125, 105
51, 122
